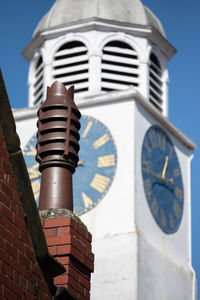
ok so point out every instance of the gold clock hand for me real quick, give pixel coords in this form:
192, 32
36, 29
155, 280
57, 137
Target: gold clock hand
158, 176
80, 163
33, 173
165, 167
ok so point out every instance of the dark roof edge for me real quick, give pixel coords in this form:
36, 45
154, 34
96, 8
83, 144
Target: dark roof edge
23, 185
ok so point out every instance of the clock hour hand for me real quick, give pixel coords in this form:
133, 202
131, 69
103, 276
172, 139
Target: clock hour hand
158, 176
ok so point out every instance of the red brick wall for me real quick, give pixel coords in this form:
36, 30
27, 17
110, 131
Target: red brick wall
70, 243
20, 275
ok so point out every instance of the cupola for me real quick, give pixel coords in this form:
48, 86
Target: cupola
98, 49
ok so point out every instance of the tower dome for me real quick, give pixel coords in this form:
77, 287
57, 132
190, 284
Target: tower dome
100, 46
127, 11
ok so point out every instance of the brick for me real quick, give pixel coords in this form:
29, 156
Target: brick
70, 231
63, 240
9, 226
84, 297
78, 267
9, 294
7, 167
65, 260
5, 233
7, 270
24, 237
3, 175
20, 223
24, 260
11, 181
50, 232
27, 296
17, 199
11, 250
83, 231
7, 190
10, 284
85, 282
62, 279
42, 285
53, 251
44, 296
89, 264
30, 287
4, 153
4, 199
14, 205
18, 244
5, 256
64, 250
35, 268
29, 253
17, 266
17, 278
20, 212
30, 276
76, 285
59, 222
6, 212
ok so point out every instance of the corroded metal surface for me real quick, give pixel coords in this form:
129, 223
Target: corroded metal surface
57, 146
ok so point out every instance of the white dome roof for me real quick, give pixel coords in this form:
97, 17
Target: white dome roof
128, 11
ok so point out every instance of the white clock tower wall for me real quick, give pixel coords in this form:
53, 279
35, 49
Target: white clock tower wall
169, 253
117, 205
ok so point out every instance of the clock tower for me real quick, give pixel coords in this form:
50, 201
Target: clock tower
132, 186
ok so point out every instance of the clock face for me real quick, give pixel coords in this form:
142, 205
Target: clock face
162, 179
96, 167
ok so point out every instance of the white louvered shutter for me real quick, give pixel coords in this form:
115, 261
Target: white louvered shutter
155, 83
120, 67
70, 66
38, 83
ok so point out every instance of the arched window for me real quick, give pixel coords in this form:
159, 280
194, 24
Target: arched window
70, 65
155, 82
120, 67
38, 82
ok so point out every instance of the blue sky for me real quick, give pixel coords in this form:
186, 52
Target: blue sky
181, 22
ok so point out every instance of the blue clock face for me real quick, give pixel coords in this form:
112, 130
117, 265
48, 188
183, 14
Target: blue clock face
162, 179
96, 166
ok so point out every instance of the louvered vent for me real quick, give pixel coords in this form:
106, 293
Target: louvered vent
120, 67
38, 82
155, 82
70, 66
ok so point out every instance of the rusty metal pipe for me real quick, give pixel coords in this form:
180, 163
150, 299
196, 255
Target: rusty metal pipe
58, 188
57, 146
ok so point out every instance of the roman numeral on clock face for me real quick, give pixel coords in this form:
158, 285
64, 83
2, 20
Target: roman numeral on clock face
101, 141
85, 132
176, 172
106, 161
148, 188
100, 183
36, 188
87, 201
177, 210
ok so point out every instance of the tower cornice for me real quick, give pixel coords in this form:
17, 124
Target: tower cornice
130, 94
98, 24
